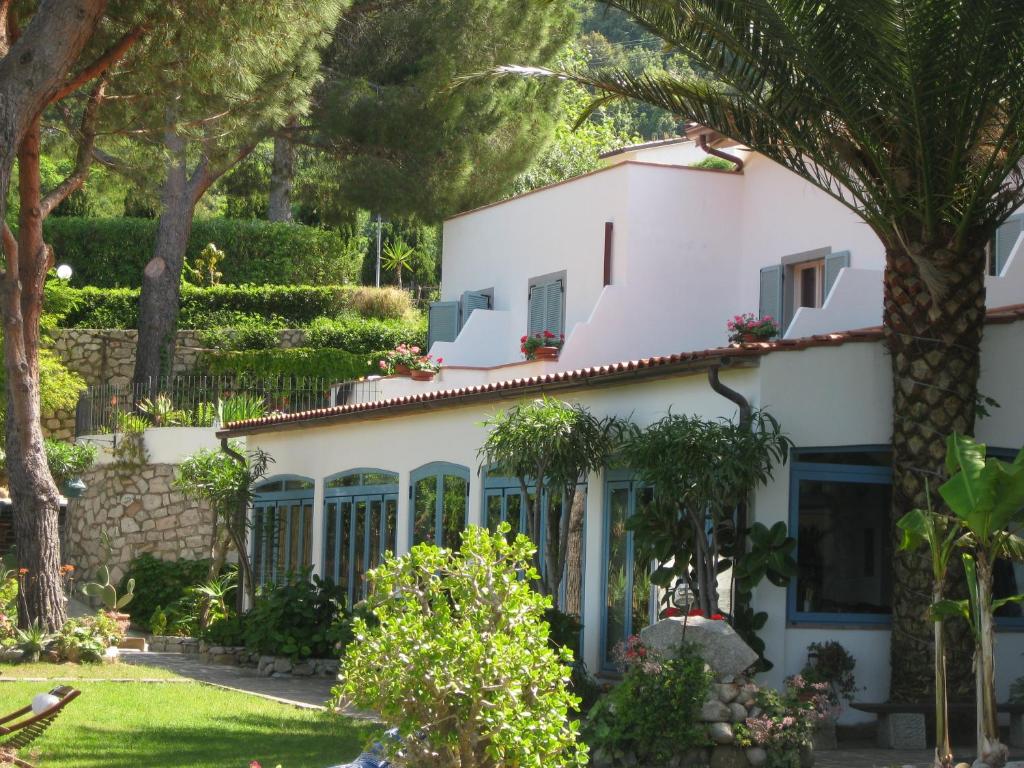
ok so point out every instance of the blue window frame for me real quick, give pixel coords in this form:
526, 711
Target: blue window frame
840, 512
282, 515
629, 602
439, 508
360, 517
839, 515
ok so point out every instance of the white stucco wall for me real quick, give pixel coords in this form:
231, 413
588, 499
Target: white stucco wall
164, 445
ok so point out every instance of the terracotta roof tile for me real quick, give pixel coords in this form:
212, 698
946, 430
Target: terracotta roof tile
662, 365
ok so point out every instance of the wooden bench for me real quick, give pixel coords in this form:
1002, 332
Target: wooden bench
902, 726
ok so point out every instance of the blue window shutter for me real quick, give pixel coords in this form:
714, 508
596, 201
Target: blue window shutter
553, 314
833, 263
472, 300
538, 309
771, 293
1006, 238
443, 322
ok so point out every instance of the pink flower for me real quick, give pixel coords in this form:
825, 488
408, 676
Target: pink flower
440, 360
255, 764
383, 365
415, 350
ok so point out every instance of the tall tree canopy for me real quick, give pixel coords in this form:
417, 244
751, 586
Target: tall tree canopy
406, 142
911, 113
189, 103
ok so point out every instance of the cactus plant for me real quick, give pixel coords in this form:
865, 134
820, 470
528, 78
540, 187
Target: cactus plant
106, 592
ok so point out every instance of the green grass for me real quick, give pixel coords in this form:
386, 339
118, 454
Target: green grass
84, 671
114, 725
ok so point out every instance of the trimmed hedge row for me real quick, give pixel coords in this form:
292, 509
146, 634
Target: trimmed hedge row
334, 364
111, 253
365, 335
217, 306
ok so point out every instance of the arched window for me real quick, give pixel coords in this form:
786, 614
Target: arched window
360, 520
282, 528
629, 603
440, 503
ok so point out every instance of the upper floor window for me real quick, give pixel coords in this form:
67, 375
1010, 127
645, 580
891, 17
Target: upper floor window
547, 304
801, 280
445, 319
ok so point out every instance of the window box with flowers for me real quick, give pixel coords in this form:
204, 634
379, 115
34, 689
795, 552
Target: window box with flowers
399, 361
542, 345
425, 368
749, 329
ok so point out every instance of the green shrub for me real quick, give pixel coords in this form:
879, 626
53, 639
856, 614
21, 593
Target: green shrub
714, 163
160, 583
86, 638
111, 253
382, 303
461, 658
630, 720
225, 306
248, 332
353, 333
296, 619
333, 364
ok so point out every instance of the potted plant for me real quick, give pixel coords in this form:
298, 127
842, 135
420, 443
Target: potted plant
829, 670
425, 368
399, 361
543, 345
749, 329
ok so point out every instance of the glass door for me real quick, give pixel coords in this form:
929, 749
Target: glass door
359, 529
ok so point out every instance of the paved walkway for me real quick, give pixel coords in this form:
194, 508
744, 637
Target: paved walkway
308, 692
854, 756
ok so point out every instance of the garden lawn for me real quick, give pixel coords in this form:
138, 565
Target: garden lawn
61, 672
116, 725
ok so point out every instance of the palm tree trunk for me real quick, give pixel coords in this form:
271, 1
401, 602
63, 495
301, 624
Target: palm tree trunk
934, 348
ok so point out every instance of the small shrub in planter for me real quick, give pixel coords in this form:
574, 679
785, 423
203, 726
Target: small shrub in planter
460, 663
785, 726
631, 718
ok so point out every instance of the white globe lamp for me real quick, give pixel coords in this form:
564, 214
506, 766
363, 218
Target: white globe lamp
64, 272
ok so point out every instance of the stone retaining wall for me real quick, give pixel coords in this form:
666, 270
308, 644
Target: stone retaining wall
140, 512
239, 656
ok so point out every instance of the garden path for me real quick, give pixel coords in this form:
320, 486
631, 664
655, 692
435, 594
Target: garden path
870, 757
307, 692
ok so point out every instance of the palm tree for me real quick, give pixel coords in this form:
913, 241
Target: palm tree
910, 113
399, 255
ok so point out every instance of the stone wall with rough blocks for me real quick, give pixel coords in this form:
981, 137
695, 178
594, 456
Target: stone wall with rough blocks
141, 512
240, 656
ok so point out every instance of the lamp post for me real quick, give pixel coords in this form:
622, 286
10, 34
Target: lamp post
64, 272
378, 250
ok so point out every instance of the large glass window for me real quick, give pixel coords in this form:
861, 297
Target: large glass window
630, 602
440, 504
282, 529
360, 522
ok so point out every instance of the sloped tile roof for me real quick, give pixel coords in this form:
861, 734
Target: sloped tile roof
650, 367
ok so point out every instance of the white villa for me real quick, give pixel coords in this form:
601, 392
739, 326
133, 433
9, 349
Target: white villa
640, 265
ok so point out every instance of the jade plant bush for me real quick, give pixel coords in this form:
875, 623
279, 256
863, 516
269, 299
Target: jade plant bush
630, 720
460, 661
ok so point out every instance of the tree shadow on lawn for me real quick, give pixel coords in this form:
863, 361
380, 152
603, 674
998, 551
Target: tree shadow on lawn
228, 741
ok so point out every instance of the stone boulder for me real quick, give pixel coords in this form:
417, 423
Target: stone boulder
718, 644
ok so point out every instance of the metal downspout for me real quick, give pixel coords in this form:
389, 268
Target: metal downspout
719, 153
742, 521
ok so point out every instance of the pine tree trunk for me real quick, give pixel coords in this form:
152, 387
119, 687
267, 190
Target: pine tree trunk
160, 299
282, 174
34, 495
934, 348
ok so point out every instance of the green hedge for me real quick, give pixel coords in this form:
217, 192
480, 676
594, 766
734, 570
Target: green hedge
111, 253
334, 364
365, 335
218, 306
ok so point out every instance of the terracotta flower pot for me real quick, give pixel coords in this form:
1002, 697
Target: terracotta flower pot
546, 353
750, 338
401, 369
123, 620
419, 375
